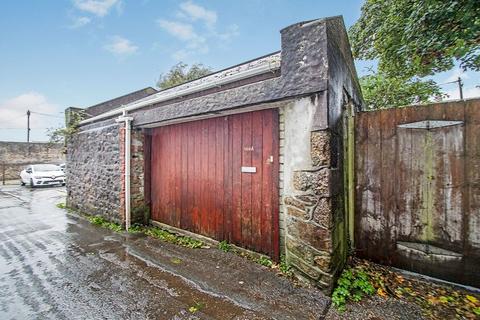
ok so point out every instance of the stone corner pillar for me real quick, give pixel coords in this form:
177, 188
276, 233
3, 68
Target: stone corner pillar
313, 194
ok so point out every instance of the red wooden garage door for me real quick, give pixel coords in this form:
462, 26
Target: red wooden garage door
219, 177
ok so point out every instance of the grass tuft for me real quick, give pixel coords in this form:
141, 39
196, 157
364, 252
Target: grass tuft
101, 221
173, 238
61, 205
264, 261
224, 246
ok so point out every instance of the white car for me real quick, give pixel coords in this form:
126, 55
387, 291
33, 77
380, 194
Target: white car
42, 175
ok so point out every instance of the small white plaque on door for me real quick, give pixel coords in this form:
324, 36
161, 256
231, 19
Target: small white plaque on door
249, 169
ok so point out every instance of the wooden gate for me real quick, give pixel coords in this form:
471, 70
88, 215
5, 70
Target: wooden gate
219, 178
417, 189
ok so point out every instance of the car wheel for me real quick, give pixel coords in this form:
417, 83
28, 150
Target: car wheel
22, 183
63, 184
31, 184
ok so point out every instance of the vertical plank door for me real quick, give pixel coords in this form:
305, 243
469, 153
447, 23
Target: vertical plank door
219, 178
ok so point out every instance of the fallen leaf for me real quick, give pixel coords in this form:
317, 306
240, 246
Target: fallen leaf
176, 260
433, 300
381, 292
472, 299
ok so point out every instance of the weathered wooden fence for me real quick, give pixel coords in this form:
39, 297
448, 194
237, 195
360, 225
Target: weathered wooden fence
417, 200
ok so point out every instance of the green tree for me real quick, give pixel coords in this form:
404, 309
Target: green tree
180, 73
412, 39
418, 37
381, 91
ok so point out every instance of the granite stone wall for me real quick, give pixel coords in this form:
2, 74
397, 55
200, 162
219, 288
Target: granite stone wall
93, 172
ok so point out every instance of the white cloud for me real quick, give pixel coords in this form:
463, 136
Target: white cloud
185, 33
180, 30
13, 112
195, 26
196, 12
99, 8
120, 46
80, 22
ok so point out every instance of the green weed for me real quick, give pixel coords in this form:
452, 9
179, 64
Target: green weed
196, 307
352, 285
225, 246
173, 238
284, 267
61, 205
101, 221
264, 261
136, 228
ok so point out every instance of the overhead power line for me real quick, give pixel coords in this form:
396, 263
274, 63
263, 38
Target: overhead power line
47, 114
23, 128
459, 82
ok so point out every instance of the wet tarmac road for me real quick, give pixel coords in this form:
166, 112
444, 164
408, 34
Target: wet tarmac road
57, 266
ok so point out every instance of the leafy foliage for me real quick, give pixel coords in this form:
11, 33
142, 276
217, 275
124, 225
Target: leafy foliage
352, 285
418, 38
180, 73
412, 39
64, 134
381, 91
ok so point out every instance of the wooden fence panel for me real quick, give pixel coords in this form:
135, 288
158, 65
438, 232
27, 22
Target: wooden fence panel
418, 188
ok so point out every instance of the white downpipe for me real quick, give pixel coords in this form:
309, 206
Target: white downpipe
128, 144
171, 94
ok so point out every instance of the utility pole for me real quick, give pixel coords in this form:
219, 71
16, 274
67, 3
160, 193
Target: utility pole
28, 125
460, 87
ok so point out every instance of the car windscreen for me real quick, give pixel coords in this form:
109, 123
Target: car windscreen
45, 167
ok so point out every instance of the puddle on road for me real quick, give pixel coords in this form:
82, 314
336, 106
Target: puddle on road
64, 266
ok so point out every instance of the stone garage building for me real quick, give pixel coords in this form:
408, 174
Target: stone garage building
252, 154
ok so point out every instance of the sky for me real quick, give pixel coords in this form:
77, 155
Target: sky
77, 53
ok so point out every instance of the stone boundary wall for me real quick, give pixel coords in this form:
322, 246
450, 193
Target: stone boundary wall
15, 156
94, 179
